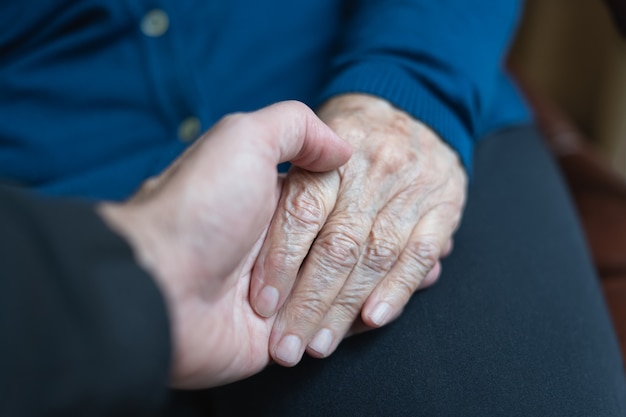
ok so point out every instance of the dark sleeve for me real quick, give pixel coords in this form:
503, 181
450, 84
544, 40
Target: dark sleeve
439, 60
83, 330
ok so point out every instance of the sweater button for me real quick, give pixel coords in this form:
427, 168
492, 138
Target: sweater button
189, 129
155, 23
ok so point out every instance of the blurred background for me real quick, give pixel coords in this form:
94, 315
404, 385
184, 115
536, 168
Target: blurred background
570, 59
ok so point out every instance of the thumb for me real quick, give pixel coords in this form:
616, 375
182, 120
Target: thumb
226, 183
294, 133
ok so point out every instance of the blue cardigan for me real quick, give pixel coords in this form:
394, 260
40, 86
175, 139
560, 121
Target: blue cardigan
97, 95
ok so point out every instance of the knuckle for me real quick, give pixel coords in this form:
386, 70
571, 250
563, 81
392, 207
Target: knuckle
392, 164
245, 122
338, 250
404, 286
282, 261
306, 310
450, 211
344, 311
380, 255
305, 210
423, 253
297, 106
352, 297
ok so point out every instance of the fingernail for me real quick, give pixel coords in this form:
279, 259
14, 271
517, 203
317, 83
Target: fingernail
267, 301
321, 342
381, 314
288, 350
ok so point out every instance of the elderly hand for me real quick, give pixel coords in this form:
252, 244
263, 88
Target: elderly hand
356, 243
198, 228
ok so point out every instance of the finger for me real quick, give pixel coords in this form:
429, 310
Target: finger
389, 233
304, 206
418, 258
294, 133
329, 263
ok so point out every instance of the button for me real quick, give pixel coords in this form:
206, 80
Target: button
189, 129
155, 23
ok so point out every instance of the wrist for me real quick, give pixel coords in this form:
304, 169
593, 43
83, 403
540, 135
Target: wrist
351, 103
359, 115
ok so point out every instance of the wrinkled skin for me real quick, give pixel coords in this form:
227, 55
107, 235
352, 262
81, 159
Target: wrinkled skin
349, 247
198, 227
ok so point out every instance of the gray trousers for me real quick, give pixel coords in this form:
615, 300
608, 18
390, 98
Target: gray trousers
516, 325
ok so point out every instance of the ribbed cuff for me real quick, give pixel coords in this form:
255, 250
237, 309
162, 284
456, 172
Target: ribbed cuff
405, 92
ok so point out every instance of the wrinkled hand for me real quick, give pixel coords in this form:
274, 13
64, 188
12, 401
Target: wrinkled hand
355, 243
199, 226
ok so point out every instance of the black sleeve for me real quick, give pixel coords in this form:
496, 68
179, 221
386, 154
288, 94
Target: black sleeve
83, 329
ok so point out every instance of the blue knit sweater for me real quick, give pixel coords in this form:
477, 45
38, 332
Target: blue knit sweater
97, 95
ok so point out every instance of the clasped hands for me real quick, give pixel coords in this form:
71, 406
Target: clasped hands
255, 267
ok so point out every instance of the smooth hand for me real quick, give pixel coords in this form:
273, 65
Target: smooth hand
199, 226
352, 245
